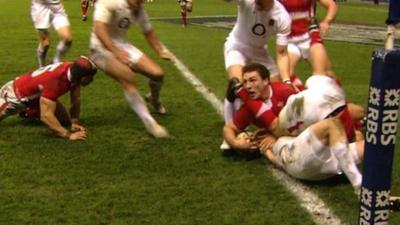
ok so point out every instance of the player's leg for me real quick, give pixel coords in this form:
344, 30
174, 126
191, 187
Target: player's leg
43, 47
84, 9
62, 26
331, 133
41, 17
294, 54
183, 12
9, 103
153, 71
65, 36
124, 75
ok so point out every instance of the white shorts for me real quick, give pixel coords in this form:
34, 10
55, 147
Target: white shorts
300, 46
322, 97
45, 15
100, 55
237, 54
9, 103
305, 157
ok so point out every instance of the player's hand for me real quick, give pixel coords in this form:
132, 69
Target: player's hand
165, 54
78, 136
266, 144
247, 143
76, 127
122, 56
323, 28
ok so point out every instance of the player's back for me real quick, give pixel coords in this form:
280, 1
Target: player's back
31, 84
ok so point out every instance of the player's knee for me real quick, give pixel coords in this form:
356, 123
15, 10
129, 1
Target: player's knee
45, 43
158, 74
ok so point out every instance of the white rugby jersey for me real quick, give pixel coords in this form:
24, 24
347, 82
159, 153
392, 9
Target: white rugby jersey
118, 16
253, 27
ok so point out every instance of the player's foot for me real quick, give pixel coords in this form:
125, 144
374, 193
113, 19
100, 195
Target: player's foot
157, 106
157, 130
84, 18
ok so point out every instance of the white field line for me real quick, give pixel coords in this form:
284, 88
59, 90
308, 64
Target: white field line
319, 211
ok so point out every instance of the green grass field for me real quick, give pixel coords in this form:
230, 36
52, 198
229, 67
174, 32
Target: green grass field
121, 175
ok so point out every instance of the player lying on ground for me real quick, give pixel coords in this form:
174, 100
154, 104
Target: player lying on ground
269, 99
319, 152
39, 91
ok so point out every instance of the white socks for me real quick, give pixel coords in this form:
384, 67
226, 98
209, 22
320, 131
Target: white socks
41, 55
230, 109
62, 48
347, 164
137, 104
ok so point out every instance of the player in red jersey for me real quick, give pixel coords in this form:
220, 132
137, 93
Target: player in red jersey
324, 144
85, 6
186, 7
271, 98
41, 89
305, 39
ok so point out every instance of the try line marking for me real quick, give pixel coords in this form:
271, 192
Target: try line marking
319, 211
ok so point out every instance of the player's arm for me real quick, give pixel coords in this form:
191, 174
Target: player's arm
282, 60
155, 43
100, 29
231, 136
151, 36
47, 116
331, 11
75, 109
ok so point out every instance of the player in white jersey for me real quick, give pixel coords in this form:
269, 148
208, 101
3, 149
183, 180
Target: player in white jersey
319, 152
112, 53
257, 21
322, 97
47, 13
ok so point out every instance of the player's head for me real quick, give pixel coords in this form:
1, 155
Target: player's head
256, 80
83, 70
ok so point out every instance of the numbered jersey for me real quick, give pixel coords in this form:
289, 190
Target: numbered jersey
50, 82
